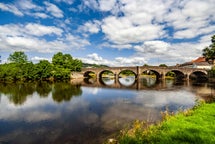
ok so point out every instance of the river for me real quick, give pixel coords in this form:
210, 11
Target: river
89, 111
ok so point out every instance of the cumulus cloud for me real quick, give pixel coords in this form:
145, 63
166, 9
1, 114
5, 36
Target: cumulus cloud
28, 5
94, 58
105, 5
91, 27
54, 10
153, 47
132, 61
40, 30
11, 8
124, 31
29, 38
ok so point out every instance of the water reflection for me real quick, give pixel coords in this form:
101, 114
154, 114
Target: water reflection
18, 93
74, 113
149, 81
107, 81
127, 81
65, 91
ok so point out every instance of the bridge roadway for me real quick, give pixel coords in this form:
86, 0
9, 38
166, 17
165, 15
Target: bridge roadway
138, 70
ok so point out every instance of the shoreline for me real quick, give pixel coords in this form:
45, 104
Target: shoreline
195, 125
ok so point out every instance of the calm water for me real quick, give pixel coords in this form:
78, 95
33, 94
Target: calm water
89, 111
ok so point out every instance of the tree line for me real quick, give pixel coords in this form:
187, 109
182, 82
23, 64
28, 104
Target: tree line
19, 68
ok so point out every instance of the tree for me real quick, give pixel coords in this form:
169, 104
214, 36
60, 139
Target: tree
18, 57
163, 65
66, 61
43, 70
209, 52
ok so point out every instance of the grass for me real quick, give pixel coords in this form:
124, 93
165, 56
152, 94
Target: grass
195, 126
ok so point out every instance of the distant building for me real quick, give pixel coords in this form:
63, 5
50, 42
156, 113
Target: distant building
200, 62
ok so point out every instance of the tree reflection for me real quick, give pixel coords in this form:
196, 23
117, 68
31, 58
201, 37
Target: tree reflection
43, 88
65, 91
17, 92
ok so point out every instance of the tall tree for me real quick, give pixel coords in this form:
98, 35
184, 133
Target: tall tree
18, 57
66, 61
209, 52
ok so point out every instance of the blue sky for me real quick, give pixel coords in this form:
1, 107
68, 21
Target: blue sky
110, 32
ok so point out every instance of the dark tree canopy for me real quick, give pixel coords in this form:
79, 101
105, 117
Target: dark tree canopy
209, 52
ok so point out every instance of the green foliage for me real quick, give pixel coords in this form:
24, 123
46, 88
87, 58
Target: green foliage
191, 126
146, 65
170, 74
211, 73
66, 61
22, 70
209, 52
163, 65
18, 57
93, 65
127, 73
43, 70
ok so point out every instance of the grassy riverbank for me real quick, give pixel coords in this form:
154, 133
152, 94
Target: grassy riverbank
196, 126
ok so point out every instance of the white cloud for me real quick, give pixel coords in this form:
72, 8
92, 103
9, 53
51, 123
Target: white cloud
91, 4
153, 47
105, 5
28, 5
11, 8
40, 15
123, 31
117, 46
66, 1
54, 10
37, 59
131, 61
94, 58
29, 37
40, 30
191, 18
91, 27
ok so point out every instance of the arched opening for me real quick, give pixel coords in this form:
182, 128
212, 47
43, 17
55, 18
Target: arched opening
89, 77
149, 78
127, 78
89, 74
175, 74
106, 77
198, 76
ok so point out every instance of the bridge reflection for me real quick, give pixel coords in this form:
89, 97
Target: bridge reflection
129, 83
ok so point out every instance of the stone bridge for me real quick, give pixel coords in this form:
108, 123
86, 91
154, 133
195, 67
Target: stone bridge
160, 72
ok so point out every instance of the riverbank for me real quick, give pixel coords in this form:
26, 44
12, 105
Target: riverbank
191, 126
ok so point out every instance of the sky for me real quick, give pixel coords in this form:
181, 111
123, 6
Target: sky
109, 32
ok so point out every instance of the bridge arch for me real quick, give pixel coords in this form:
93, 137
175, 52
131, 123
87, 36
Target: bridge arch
178, 74
152, 71
106, 77
88, 74
106, 72
127, 75
198, 75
